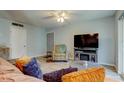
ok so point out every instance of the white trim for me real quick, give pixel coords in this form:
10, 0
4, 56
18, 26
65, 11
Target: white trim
50, 32
108, 64
37, 55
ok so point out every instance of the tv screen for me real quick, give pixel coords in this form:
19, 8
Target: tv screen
86, 41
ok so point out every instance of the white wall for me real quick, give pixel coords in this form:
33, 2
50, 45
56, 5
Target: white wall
106, 30
36, 38
4, 32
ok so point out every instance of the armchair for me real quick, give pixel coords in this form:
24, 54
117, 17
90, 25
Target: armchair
60, 53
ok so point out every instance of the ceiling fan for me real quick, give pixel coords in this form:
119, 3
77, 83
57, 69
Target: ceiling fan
59, 15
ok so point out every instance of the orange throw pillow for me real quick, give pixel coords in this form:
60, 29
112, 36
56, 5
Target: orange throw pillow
22, 61
20, 64
96, 74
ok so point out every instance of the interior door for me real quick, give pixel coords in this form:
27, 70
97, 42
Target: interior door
18, 42
50, 42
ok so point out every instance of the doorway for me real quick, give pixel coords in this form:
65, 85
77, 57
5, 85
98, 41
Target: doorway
17, 42
50, 43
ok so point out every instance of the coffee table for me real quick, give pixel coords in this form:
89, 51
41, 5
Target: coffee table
82, 64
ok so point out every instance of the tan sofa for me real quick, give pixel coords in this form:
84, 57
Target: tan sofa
10, 73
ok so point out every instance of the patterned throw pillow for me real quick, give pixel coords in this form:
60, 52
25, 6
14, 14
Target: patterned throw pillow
33, 69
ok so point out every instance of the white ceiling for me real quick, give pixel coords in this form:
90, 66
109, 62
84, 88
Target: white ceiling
38, 17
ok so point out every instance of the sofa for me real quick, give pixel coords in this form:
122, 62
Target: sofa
10, 73
95, 74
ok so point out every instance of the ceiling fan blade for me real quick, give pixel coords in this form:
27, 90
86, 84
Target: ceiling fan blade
75, 13
48, 17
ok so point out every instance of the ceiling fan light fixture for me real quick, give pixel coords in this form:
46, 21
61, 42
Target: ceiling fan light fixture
61, 16
58, 19
62, 20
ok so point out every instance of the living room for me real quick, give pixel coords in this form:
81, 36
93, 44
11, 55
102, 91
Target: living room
22, 33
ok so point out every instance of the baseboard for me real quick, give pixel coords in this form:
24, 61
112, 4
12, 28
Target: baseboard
37, 56
60, 61
108, 64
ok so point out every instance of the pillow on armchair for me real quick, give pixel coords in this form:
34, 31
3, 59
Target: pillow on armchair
33, 69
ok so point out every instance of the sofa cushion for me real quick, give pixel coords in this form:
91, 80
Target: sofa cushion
14, 77
56, 75
33, 69
96, 74
7, 67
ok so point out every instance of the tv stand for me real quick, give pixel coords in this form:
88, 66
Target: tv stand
87, 54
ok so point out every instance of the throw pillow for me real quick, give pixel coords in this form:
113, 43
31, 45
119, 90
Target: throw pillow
95, 74
33, 69
22, 61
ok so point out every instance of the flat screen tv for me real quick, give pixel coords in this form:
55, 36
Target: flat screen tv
86, 41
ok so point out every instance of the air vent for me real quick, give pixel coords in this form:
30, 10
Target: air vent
17, 24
